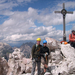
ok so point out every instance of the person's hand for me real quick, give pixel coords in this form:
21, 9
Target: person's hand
45, 54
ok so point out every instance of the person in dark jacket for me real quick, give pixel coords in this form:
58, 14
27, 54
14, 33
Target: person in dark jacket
44, 53
36, 58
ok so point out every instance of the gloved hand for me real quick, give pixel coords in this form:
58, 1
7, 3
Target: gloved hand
45, 54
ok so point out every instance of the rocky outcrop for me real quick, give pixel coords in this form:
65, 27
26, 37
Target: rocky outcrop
18, 63
52, 43
61, 61
3, 66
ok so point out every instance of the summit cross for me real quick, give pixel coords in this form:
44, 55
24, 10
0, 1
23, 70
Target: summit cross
64, 12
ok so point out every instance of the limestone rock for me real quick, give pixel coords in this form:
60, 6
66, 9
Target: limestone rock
47, 73
61, 60
66, 66
3, 66
18, 64
56, 56
69, 53
52, 44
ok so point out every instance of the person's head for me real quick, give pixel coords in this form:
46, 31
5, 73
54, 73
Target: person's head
73, 31
38, 40
44, 43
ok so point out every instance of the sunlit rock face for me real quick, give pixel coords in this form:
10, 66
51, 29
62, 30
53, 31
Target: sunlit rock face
61, 60
17, 63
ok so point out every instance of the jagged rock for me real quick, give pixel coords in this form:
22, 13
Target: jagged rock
29, 70
61, 61
56, 56
69, 53
66, 66
52, 44
3, 66
47, 73
64, 73
15, 63
18, 64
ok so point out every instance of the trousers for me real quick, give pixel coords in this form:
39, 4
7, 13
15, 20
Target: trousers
34, 63
72, 44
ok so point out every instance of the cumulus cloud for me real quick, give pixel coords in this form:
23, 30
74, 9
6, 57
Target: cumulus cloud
68, 4
41, 32
70, 17
24, 1
9, 4
21, 24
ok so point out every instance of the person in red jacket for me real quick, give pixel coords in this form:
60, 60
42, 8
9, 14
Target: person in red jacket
72, 38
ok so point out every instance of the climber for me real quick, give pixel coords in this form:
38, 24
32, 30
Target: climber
72, 38
44, 53
36, 58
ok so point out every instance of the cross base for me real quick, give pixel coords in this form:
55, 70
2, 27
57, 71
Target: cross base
64, 38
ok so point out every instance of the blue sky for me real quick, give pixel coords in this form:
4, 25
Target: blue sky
26, 20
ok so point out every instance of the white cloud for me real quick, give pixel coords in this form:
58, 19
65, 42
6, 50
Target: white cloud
38, 32
70, 17
68, 4
24, 0
21, 26
9, 4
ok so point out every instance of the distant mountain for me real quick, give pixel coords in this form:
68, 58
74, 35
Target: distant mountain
26, 48
5, 49
29, 43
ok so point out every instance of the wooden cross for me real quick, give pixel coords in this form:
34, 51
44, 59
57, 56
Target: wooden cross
64, 12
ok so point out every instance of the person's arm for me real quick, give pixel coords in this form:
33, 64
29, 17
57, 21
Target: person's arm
71, 39
32, 52
48, 51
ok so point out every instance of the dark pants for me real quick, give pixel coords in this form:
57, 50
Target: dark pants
72, 44
34, 66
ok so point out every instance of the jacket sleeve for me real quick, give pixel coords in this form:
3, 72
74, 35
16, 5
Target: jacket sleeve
48, 51
70, 38
32, 52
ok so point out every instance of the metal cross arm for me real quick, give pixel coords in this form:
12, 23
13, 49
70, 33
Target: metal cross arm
57, 11
64, 10
69, 12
